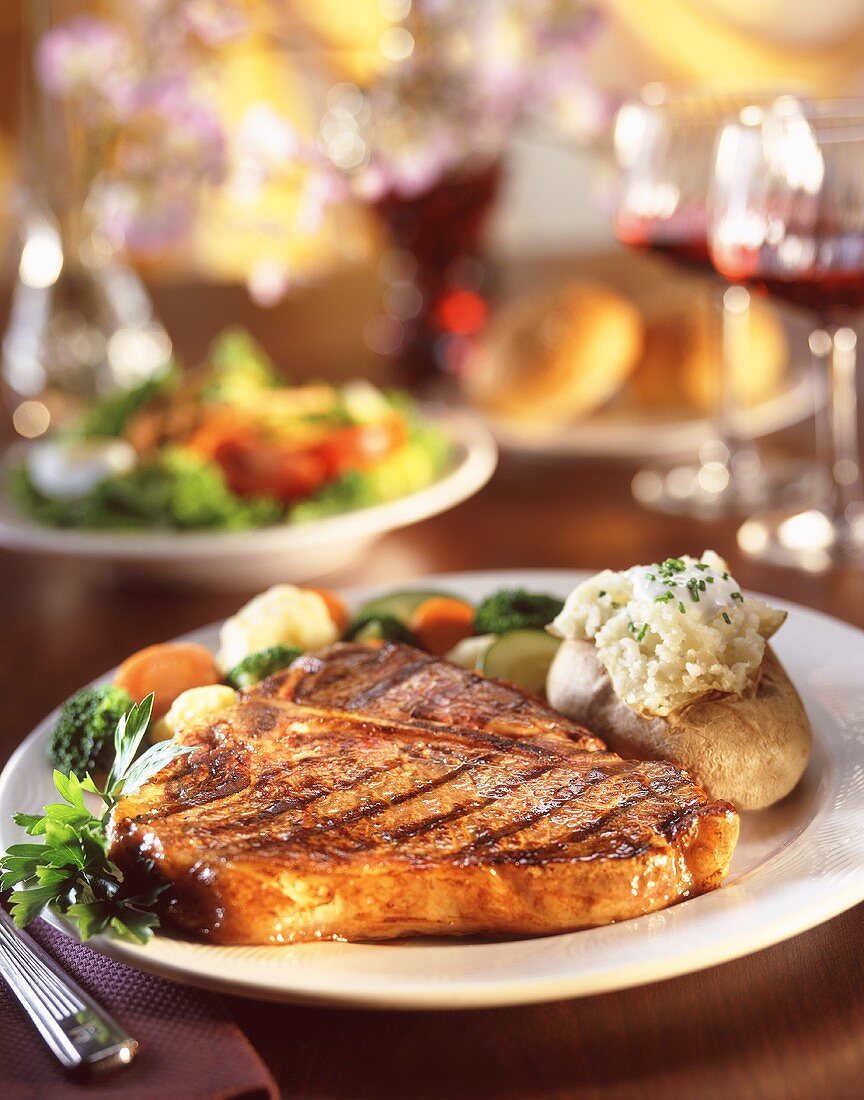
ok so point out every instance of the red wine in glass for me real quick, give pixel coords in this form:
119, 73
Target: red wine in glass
682, 239
664, 146
831, 292
788, 220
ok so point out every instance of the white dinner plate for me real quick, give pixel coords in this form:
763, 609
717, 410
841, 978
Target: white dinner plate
796, 865
294, 553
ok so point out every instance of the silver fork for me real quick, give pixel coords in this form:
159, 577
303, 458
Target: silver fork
83, 1037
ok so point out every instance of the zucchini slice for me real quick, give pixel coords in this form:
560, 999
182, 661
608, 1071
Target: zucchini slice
379, 628
522, 658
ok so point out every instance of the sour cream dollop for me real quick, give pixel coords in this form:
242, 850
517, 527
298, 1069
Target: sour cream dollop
671, 631
70, 469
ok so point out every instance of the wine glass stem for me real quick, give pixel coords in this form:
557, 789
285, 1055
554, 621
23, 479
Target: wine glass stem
846, 456
821, 345
734, 351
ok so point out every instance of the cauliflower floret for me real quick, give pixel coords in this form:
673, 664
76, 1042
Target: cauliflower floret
193, 707
283, 615
669, 632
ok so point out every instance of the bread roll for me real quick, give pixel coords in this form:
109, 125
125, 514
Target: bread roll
556, 356
680, 365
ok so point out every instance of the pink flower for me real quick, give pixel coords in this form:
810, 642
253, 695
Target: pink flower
476, 72
569, 101
88, 59
171, 130
322, 189
146, 218
410, 161
215, 22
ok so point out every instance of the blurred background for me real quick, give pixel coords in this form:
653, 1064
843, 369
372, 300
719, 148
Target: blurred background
231, 207
425, 193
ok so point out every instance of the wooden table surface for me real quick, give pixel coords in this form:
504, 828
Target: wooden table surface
786, 1022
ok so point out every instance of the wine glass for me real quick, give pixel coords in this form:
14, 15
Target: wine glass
664, 145
787, 218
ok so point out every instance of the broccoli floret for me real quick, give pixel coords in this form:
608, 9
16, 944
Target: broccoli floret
258, 666
515, 609
379, 628
83, 738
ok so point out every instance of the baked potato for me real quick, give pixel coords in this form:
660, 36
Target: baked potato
750, 749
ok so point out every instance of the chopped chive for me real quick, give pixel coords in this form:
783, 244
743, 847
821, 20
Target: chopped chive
726, 617
682, 608
735, 596
710, 580
664, 597
602, 592
642, 632
651, 576
725, 576
700, 566
702, 586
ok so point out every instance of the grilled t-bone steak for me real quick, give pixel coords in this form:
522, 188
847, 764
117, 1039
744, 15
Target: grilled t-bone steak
298, 820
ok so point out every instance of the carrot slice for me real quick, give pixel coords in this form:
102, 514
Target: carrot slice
167, 669
440, 622
337, 609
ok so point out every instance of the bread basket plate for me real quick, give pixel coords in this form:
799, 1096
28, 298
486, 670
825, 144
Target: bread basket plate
288, 552
797, 864
615, 432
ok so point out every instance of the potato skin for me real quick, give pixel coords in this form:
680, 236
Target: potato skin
749, 750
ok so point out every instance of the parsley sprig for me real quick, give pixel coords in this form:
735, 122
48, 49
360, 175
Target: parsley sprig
69, 871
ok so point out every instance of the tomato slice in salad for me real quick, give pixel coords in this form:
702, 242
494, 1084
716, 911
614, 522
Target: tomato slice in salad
290, 471
361, 445
255, 468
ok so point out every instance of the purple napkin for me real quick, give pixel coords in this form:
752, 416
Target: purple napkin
188, 1045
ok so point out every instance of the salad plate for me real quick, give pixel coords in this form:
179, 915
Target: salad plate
797, 864
295, 552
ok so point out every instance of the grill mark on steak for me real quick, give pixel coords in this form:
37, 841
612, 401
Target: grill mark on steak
338, 833
399, 682
602, 770
285, 805
594, 778
387, 683
439, 734
404, 832
451, 742
561, 849
282, 804
377, 806
204, 777
500, 748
